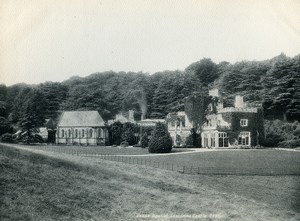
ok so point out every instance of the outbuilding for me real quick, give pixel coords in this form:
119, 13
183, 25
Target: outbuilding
81, 127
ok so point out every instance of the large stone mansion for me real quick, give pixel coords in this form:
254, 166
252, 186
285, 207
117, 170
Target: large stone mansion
240, 125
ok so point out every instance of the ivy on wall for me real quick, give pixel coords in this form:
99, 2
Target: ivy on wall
196, 108
255, 126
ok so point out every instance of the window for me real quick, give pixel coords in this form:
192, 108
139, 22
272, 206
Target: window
62, 133
244, 138
244, 122
100, 132
76, 133
69, 133
91, 133
223, 139
82, 131
205, 140
173, 124
213, 140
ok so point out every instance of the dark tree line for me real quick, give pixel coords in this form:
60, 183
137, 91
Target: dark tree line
273, 83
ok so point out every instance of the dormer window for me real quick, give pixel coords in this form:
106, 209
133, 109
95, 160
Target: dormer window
244, 122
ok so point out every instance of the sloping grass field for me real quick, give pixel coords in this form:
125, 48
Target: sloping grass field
41, 185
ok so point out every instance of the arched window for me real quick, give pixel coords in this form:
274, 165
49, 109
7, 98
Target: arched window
91, 133
82, 132
69, 133
62, 133
76, 133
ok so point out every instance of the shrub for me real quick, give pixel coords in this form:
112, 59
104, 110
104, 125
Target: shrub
273, 139
297, 132
161, 141
30, 138
5, 127
145, 140
115, 131
189, 140
7, 138
194, 139
290, 143
278, 131
178, 141
128, 133
124, 144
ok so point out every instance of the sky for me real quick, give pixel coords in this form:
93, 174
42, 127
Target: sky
52, 40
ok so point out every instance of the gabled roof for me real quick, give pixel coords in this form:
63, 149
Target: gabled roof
80, 118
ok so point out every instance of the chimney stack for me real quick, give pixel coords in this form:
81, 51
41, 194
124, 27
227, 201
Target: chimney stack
239, 101
131, 116
214, 92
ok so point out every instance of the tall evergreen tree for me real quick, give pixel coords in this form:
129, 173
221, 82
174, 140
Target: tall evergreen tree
161, 141
33, 115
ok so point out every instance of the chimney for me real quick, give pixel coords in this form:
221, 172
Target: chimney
239, 101
214, 92
131, 116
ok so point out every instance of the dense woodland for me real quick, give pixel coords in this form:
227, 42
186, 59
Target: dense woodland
274, 84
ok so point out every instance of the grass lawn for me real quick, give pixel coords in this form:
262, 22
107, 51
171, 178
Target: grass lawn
56, 186
257, 161
99, 149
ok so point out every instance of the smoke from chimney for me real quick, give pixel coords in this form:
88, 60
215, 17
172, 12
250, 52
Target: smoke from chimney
141, 99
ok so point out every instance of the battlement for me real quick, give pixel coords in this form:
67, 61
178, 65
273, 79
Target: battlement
238, 109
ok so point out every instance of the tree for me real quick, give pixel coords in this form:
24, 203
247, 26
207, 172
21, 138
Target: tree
33, 115
116, 133
282, 89
161, 141
3, 92
128, 132
3, 111
205, 69
55, 94
5, 126
194, 139
161, 98
196, 108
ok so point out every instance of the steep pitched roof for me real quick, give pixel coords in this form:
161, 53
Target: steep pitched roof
80, 118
